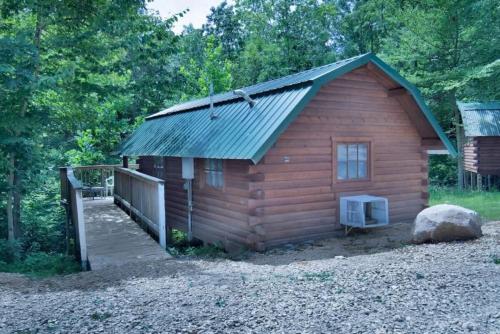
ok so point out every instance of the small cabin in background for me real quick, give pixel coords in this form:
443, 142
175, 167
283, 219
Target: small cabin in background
479, 143
268, 164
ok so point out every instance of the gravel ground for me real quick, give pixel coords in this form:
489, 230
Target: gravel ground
366, 283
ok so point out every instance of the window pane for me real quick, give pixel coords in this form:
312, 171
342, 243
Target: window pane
341, 162
214, 176
362, 160
352, 159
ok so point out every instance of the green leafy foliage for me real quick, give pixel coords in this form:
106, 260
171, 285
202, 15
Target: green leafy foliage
40, 264
181, 247
10, 251
442, 170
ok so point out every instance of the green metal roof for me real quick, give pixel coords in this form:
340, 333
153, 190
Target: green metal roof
241, 132
480, 118
305, 77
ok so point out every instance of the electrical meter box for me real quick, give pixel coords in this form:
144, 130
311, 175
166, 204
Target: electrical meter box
188, 168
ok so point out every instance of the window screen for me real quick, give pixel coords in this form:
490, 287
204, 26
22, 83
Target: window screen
158, 167
352, 161
214, 176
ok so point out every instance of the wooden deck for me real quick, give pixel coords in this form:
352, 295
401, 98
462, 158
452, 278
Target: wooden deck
115, 239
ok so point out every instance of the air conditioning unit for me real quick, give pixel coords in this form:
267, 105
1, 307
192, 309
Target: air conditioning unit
364, 211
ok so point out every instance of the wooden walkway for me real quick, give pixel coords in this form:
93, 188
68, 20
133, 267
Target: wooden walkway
115, 239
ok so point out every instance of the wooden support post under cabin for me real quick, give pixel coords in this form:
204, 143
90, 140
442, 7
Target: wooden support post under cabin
479, 182
125, 162
489, 182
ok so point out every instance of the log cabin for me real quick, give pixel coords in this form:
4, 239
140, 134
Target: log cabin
266, 165
478, 139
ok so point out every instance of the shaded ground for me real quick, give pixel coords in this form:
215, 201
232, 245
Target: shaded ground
370, 283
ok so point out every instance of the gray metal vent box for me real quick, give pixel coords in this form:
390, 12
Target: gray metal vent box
364, 211
188, 168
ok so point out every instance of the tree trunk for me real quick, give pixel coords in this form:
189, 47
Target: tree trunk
17, 201
10, 198
15, 179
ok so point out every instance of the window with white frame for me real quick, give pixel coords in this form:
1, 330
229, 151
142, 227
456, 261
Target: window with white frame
352, 161
214, 173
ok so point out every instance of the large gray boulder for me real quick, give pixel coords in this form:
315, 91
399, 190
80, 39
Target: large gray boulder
446, 222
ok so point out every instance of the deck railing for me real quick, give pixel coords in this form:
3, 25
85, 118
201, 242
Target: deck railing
97, 179
72, 199
143, 197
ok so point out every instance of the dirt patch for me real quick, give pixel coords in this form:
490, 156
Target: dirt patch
356, 242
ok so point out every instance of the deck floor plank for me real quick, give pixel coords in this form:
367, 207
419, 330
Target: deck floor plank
113, 238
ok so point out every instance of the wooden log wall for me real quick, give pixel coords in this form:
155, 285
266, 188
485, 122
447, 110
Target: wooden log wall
470, 151
488, 155
219, 215
294, 188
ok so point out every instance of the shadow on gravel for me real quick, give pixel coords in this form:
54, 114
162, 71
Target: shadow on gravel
357, 242
99, 279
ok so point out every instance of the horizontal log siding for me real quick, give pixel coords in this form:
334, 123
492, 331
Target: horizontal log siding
471, 155
298, 200
482, 155
218, 215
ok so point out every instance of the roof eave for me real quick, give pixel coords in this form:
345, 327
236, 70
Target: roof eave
419, 100
361, 61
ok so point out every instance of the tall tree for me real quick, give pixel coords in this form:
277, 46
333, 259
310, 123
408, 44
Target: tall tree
225, 26
214, 70
284, 36
75, 76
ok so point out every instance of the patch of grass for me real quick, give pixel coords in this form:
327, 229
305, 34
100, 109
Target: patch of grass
419, 276
100, 316
40, 264
485, 203
220, 302
182, 247
496, 259
321, 276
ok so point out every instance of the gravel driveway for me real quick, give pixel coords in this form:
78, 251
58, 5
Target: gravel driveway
358, 287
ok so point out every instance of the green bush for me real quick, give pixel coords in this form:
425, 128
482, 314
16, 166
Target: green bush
442, 170
42, 265
181, 246
43, 219
10, 251
49, 264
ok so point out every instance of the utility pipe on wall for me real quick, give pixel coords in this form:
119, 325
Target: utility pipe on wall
188, 175
189, 185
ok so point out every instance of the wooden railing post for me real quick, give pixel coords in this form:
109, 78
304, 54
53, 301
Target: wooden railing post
64, 182
162, 231
80, 222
